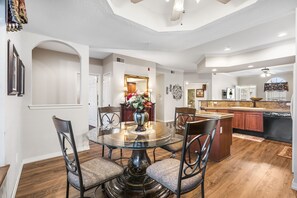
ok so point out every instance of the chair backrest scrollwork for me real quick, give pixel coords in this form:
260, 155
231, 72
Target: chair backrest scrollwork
68, 147
110, 117
183, 115
199, 136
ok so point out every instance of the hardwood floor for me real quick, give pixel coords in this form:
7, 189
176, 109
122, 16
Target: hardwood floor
253, 170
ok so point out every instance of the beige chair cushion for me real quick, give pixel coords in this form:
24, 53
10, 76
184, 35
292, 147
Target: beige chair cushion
166, 173
173, 147
95, 172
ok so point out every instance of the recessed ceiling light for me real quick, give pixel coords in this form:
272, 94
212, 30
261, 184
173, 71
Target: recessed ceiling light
282, 34
227, 49
187, 82
167, 0
250, 66
197, 1
214, 70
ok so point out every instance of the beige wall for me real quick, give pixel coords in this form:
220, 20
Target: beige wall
55, 77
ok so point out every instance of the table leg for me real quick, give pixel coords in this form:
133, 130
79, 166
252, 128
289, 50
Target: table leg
130, 184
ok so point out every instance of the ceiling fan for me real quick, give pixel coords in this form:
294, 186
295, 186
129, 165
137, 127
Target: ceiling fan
178, 7
266, 72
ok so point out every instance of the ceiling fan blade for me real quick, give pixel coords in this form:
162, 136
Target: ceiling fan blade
135, 1
175, 16
178, 8
224, 1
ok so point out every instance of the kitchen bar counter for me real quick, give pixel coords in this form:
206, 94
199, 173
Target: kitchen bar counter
214, 115
247, 109
223, 138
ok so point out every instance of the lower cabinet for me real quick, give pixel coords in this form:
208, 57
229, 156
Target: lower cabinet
254, 121
238, 120
246, 120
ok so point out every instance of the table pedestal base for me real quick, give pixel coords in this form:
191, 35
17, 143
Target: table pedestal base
131, 183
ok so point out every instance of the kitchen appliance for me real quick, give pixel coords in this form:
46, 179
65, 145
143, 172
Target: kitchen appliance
224, 94
230, 94
278, 126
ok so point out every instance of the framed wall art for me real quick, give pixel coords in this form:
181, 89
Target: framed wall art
177, 92
21, 79
199, 93
12, 70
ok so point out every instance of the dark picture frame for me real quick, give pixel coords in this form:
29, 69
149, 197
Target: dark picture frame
21, 79
12, 70
199, 93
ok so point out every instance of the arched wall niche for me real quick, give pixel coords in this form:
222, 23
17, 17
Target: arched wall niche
56, 74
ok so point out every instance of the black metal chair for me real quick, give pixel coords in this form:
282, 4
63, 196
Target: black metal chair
109, 117
181, 117
182, 176
89, 174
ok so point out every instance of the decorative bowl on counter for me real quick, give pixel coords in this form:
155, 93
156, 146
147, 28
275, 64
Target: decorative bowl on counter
255, 99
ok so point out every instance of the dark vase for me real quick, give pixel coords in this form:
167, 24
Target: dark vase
140, 118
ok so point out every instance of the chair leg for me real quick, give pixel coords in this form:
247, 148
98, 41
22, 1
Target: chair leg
67, 189
82, 193
102, 151
154, 154
110, 153
202, 189
121, 153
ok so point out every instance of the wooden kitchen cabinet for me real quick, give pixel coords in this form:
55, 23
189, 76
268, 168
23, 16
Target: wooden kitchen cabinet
238, 120
254, 121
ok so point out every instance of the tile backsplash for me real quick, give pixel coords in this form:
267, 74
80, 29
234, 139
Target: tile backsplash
259, 104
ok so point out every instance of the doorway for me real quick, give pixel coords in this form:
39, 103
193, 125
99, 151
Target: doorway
93, 99
106, 90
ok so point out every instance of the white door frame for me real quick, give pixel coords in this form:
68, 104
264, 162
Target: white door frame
98, 89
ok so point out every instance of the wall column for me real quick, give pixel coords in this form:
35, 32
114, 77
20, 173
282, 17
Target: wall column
3, 47
294, 141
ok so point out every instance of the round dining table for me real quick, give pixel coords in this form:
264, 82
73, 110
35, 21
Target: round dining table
134, 179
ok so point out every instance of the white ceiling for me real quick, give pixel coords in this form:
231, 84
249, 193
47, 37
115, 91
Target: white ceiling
257, 71
93, 23
156, 14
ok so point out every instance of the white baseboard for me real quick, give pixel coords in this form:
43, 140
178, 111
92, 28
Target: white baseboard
39, 158
294, 185
51, 155
15, 188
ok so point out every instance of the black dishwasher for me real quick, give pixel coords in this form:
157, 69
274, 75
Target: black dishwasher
278, 126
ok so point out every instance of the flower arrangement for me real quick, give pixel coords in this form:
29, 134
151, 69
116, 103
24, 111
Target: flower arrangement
138, 101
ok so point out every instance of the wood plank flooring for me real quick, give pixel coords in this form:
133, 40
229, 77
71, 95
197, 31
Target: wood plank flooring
254, 170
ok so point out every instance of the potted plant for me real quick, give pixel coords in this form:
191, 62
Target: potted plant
138, 102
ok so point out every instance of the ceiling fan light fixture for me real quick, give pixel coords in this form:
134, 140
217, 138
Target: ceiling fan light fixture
178, 5
265, 73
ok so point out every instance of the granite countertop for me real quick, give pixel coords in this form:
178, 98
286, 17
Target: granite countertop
215, 115
246, 109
